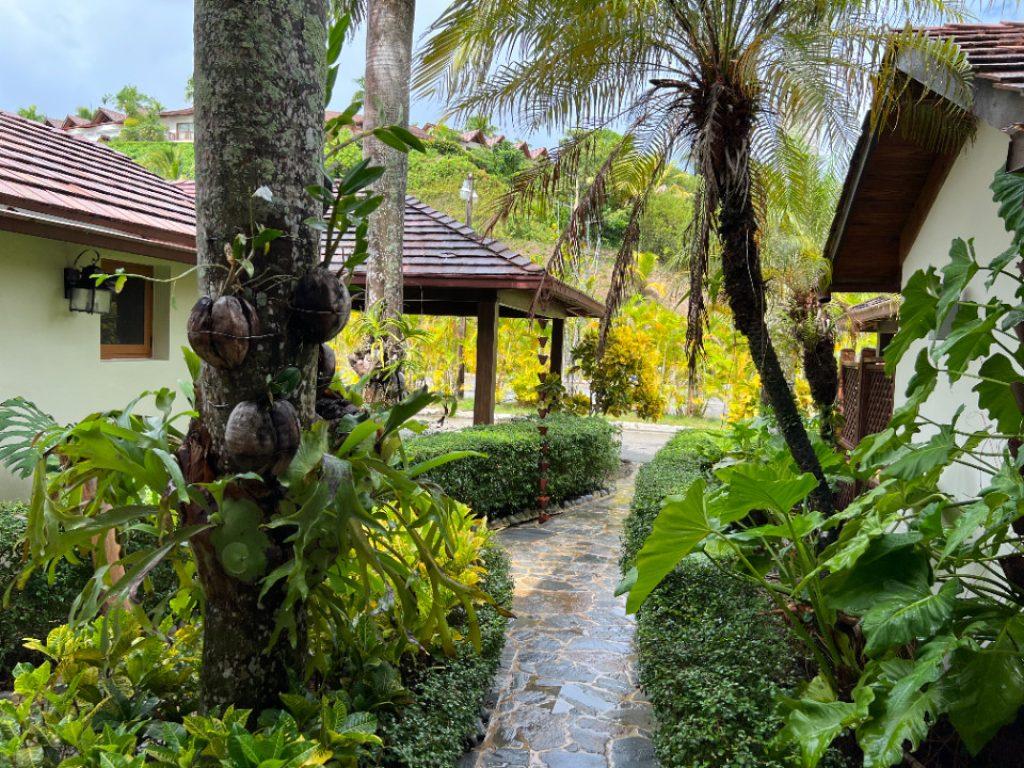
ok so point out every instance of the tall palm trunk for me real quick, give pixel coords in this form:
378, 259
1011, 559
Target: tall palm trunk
816, 334
744, 282
389, 32
259, 85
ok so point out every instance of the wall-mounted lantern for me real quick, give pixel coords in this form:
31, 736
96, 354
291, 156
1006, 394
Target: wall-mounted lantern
81, 290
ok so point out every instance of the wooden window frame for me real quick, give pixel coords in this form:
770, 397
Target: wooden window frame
132, 351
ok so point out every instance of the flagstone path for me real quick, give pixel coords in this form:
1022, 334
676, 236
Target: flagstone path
566, 694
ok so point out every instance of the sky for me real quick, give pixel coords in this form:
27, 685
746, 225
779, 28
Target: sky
59, 54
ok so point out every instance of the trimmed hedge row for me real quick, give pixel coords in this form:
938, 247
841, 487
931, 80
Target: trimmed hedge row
439, 725
40, 606
712, 656
583, 453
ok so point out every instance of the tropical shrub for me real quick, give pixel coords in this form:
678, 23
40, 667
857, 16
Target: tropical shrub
911, 599
111, 693
502, 477
712, 656
624, 378
42, 603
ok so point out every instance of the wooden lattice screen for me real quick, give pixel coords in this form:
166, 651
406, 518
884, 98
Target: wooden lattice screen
866, 401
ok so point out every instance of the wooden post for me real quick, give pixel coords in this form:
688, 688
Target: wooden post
557, 345
486, 362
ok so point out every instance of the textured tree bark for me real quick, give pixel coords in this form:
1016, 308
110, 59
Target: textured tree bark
745, 288
259, 96
389, 32
817, 339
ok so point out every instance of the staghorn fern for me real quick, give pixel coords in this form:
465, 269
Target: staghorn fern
26, 435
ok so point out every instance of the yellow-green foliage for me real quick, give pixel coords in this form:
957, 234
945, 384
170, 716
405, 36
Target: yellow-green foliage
625, 377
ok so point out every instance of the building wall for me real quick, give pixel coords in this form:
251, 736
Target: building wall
963, 208
51, 356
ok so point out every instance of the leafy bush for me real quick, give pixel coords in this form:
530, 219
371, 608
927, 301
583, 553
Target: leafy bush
41, 605
583, 452
112, 693
711, 661
712, 657
625, 377
432, 732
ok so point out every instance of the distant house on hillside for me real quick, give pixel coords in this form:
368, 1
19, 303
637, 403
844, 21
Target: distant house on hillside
106, 124
902, 205
65, 206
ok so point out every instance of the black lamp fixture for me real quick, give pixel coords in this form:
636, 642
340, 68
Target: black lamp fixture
81, 290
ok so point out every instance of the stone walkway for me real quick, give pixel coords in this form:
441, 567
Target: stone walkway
566, 695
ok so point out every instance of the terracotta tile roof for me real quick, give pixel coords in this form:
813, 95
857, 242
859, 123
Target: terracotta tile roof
188, 186
995, 51
49, 175
183, 112
441, 251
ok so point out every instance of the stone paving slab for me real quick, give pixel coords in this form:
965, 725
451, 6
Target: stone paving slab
566, 695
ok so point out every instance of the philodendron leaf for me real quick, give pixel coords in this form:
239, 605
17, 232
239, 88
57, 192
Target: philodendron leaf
768, 487
919, 460
894, 722
958, 272
681, 525
995, 394
890, 561
986, 685
971, 338
1008, 193
812, 724
917, 315
903, 614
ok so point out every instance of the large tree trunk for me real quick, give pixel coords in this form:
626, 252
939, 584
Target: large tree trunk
259, 96
389, 30
745, 286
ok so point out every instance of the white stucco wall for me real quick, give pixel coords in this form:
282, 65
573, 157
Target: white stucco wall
51, 355
963, 208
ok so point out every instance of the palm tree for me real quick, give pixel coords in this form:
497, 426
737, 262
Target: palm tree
720, 78
798, 196
389, 29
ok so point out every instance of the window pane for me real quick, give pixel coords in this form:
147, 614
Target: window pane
126, 322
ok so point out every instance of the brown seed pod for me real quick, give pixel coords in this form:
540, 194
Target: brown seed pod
259, 437
320, 306
326, 365
219, 331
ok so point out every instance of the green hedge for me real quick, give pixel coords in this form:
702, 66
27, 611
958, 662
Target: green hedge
583, 453
712, 656
435, 730
40, 606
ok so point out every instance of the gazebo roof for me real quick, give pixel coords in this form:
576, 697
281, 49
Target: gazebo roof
446, 266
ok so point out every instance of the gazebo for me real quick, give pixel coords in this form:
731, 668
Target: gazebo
449, 269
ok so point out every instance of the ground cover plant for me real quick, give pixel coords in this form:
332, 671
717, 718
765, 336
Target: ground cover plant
910, 599
502, 477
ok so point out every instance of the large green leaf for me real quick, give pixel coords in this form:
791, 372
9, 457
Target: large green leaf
986, 686
1008, 193
919, 460
995, 394
903, 613
895, 721
917, 315
771, 487
889, 562
682, 524
958, 272
812, 724
971, 338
